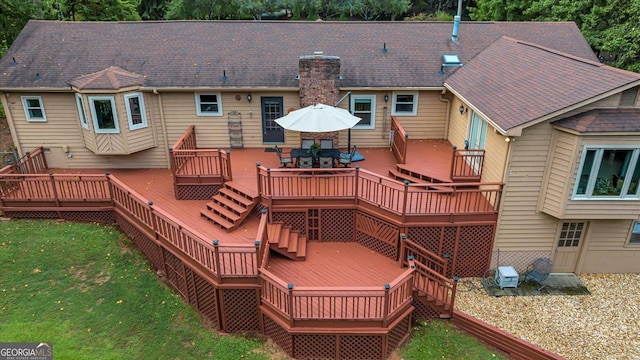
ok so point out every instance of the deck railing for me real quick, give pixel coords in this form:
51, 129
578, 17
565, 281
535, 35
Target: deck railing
192, 166
48, 192
399, 198
399, 140
337, 303
33, 162
436, 286
466, 165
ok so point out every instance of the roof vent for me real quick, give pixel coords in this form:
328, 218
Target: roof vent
449, 61
14, 63
224, 76
456, 24
318, 53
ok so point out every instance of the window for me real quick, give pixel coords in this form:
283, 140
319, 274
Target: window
364, 107
635, 234
33, 108
81, 112
570, 234
135, 111
208, 105
611, 173
404, 104
103, 113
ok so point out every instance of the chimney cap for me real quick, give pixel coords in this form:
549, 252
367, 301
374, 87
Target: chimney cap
318, 53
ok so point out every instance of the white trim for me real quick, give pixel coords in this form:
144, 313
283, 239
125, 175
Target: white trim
143, 113
84, 122
372, 99
114, 111
595, 168
209, 113
404, 113
26, 108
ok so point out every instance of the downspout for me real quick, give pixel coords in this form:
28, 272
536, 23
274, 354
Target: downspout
448, 115
165, 137
12, 128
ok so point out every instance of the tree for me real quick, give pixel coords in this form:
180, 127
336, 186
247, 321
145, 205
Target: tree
215, 9
14, 15
152, 9
610, 26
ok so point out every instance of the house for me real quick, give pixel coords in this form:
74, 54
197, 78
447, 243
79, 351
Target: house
556, 130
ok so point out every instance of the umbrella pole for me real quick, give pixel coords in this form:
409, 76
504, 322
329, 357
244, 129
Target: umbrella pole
349, 140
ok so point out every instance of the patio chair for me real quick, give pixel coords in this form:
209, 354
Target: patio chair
348, 159
285, 158
326, 144
538, 271
306, 143
325, 162
305, 162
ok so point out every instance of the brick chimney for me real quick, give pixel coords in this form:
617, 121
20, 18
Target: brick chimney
319, 83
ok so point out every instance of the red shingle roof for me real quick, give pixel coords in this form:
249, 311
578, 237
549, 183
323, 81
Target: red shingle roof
111, 78
260, 53
603, 121
513, 82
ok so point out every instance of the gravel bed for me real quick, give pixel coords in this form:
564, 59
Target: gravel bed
603, 325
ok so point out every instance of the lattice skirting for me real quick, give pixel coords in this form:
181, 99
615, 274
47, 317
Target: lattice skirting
241, 312
423, 311
102, 217
296, 219
377, 245
468, 245
196, 192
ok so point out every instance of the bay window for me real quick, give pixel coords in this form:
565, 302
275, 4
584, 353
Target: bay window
608, 172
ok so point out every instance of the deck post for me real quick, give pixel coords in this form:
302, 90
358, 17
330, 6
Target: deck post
257, 246
258, 180
405, 201
30, 163
54, 193
290, 288
216, 256
403, 249
107, 174
385, 314
227, 165
356, 179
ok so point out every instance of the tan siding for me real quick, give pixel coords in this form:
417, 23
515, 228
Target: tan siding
556, 186
495, 156
377, 137
607, 251
521, 226
63, 128
458, 124
430, 121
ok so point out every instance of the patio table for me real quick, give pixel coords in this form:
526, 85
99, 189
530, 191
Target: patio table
299, 152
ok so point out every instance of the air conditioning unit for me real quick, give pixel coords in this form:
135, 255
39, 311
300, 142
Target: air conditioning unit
507, 277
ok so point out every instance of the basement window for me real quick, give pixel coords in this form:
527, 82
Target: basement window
104, 116
33, 108
635, 234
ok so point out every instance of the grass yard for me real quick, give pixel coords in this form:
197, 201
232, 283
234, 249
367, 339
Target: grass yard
439, 339
84, 288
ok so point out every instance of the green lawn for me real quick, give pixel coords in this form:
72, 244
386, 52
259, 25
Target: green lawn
86, 289
83, 288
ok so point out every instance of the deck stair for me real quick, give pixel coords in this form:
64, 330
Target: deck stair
286, 241
230, 206
402, 173
443, 309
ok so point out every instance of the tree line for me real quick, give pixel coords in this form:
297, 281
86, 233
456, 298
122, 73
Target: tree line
611, 27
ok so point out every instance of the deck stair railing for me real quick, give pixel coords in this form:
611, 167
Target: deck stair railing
33, 162
467, 164
374, 303
430, 276
193, 166
399, 140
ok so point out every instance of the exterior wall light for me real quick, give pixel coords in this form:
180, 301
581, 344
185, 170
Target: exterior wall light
386, 97
249, 97
462, 109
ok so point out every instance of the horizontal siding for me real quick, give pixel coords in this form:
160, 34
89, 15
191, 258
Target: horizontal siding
495, 156
430, 121
63, 129
607, 250
520, 225
458, 125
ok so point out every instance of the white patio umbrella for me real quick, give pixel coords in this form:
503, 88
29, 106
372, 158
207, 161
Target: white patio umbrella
318, 118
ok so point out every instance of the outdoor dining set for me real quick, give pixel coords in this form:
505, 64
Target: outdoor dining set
312, 154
